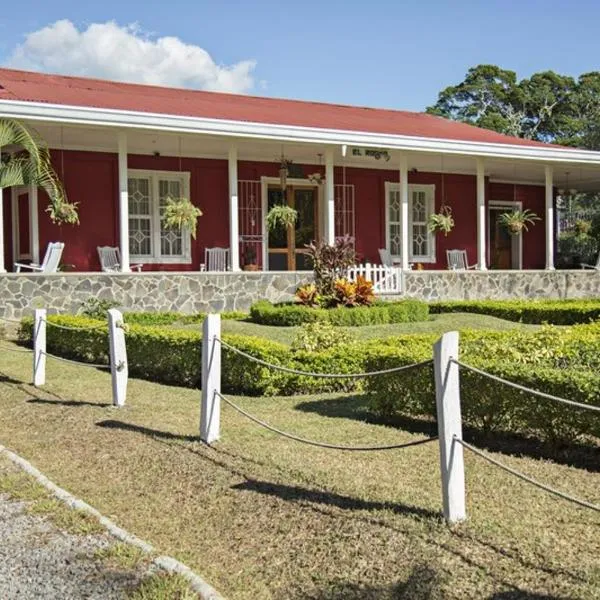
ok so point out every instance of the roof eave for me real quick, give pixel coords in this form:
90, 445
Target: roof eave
124, 119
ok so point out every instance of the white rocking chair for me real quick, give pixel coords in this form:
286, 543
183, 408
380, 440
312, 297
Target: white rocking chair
596, 267
457, 260
386, 258
110, 260
49, 264
215, 259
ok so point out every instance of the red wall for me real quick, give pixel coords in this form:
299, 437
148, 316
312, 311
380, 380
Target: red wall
5, 196
91, 179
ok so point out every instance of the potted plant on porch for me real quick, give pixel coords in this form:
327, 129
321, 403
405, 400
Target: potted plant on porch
281, 215
180, 213
442, 221
250, 263
517, 221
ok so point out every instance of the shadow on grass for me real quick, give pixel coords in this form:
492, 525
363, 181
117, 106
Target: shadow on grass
155, 433
577, 455
294, 493
61, 402
7, 379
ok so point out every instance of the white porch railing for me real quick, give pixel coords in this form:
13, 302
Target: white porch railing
386, 280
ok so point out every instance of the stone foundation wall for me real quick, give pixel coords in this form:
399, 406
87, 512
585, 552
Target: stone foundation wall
195, 292
180, 292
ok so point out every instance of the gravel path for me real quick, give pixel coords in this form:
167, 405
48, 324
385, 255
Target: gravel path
37, 560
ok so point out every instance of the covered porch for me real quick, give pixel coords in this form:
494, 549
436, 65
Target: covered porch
379, 194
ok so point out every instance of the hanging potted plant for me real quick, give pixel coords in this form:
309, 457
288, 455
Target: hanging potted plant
180, 213
442, 220
281, 215
250, 263
517, 221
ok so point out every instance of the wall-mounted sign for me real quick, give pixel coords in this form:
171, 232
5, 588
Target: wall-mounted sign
372, 152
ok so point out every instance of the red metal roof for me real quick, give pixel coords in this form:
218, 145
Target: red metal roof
97, 93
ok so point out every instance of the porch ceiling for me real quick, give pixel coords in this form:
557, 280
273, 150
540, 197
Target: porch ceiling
582, 177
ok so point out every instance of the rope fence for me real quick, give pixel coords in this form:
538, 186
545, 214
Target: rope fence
10, 320
302, 440
69, 328
26, 350
77, 362
529, 390
526, 478
275, 367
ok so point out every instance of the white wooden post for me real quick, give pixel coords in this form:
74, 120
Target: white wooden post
123, 203
447, 395
330, 198
2, 267
34, 229
234, 236
39, 346
118, 357
210, 409
481, 227
549, 195
404, 210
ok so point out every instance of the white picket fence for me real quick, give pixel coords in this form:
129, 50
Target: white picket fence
386, 280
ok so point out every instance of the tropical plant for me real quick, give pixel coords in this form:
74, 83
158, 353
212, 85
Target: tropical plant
330, 262
442, 221
583, 226
180, 213
354, 293
320, 336
307, 295
30, 165
281, 215
518, 220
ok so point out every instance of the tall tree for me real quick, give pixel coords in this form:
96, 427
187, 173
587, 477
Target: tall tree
547, 106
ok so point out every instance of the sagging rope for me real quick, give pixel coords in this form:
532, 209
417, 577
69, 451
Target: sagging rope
10, 320
528, 479
523, 388
260, 361
302, 440
76, 362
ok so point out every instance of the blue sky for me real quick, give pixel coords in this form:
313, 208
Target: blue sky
392, 54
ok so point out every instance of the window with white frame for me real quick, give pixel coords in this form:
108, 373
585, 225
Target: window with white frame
149, 240
421, 242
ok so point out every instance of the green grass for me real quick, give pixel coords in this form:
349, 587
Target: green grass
436, 324
163, 587
262, 517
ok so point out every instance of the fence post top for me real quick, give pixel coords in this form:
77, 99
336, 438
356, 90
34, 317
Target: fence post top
450, 337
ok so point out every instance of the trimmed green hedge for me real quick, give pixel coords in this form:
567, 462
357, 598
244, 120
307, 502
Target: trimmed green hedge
168, 318
289, 314
556, 312
564, 362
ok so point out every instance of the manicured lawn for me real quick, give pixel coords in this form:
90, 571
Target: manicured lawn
436, 324
262, 517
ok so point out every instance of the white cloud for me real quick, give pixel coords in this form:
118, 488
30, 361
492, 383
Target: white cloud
109, 51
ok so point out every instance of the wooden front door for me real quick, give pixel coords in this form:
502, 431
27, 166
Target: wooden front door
501, 242
21, 224
286, 247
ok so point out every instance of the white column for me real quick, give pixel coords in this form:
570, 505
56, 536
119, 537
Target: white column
481, 232
2, 267
210, 407
234, 234
123, 204
404, 208
118, 357
33, 224
329, 198
549, 219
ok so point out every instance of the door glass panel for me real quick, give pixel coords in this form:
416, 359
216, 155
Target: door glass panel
500, 242
278, 237
23, 207
278, 261
305, 229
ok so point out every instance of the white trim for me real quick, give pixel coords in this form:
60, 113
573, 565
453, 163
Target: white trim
155, 176
549, 216
429, 189
481, 215
42, 111
329, 212
123, 205
405, 216
34, 229
234, 225
516, 240
265, 182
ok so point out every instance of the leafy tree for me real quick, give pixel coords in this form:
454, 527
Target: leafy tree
547, 106
28, 162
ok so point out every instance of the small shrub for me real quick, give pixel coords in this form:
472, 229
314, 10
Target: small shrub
96, 308
330, 262
320, 336
307, 295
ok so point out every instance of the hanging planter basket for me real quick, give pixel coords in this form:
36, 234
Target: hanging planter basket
517, 221
180, 213
442, 221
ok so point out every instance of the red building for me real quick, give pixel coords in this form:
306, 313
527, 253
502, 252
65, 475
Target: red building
375, 174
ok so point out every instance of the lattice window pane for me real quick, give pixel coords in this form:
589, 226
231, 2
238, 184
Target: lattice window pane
419, 207
394, 206
420, 242
394, 224
171, 240
139, 195
395, 239
140, 236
